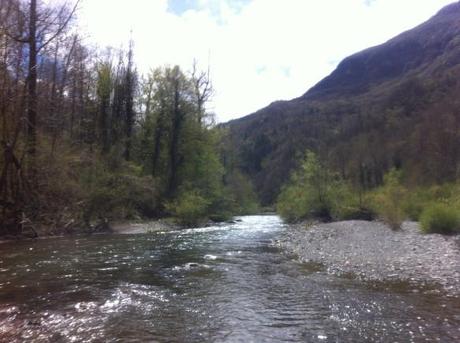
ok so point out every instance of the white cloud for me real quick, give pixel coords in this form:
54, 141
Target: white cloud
260, 50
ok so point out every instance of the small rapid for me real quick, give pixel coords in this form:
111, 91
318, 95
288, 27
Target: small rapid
225, 283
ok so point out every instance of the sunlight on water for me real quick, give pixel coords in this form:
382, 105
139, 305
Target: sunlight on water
226, 283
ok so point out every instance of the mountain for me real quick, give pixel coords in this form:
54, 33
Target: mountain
392, 105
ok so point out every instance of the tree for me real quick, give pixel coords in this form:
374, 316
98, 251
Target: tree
311, 193
202, 89
104, 90
32, 90
130, 82
183, 153
44, 25
27, 30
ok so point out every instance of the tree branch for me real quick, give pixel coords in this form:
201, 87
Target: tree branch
62, 27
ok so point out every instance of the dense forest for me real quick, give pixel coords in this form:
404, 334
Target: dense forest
87, 139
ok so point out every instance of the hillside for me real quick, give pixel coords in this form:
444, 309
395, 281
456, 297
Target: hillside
395, 104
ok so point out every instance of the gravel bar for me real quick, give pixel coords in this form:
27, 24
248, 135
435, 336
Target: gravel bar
372, 251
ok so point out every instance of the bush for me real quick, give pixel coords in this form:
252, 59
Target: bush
121, 197
388, 200
293, 204
440, 218
348, 204
415, 202
120, 194
241, 198
190, 208
313, 192
357, 213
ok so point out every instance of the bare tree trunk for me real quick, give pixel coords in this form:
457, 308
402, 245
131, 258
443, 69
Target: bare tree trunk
53, 113
32, 94
203, 90
129, 104
157, 144
175, 135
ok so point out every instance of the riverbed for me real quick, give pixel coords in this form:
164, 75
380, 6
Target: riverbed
224, 283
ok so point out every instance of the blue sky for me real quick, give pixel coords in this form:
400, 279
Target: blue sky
258, 51
179, 7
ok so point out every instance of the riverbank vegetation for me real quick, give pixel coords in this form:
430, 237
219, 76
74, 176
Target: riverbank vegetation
315, 192
87, 139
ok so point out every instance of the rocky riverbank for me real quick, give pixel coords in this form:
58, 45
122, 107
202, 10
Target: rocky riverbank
373, 252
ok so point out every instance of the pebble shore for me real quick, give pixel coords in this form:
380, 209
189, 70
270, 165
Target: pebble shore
372, 251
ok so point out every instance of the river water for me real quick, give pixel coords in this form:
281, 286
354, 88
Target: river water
227, 283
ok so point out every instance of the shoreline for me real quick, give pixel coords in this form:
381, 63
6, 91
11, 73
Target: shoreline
116, 227
371, 251
142, 227
123, 227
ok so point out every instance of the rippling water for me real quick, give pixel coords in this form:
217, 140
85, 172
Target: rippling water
226, 283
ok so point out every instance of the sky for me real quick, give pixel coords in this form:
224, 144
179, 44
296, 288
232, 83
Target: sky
257, 51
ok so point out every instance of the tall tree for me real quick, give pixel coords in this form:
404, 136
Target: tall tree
28, 28
32, 90
183, 147
202, 89
130, 82
104, 91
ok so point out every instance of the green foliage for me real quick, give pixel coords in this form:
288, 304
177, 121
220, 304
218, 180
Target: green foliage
116, 194
388, 200
436, 207
293, 203
313, 192
178, 146
422, 197
201, 168
240, 193
190, 208
349, 204
440, 218
60, 195
416, 200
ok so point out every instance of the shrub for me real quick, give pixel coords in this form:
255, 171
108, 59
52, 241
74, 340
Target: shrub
422, 197
190, 208
314, 192
348, 204
356, 212
415, 202
120, 194
239, 194
293, 204
440, 218
388, 200
221, 208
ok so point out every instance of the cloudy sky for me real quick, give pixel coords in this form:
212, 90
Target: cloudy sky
258, 51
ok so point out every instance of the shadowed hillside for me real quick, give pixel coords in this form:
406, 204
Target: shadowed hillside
393, 105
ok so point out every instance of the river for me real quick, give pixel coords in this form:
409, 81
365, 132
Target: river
228, 283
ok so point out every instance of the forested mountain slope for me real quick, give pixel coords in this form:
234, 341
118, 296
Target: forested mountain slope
393, 105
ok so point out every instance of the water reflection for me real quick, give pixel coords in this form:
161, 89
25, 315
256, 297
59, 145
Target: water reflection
225, 283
